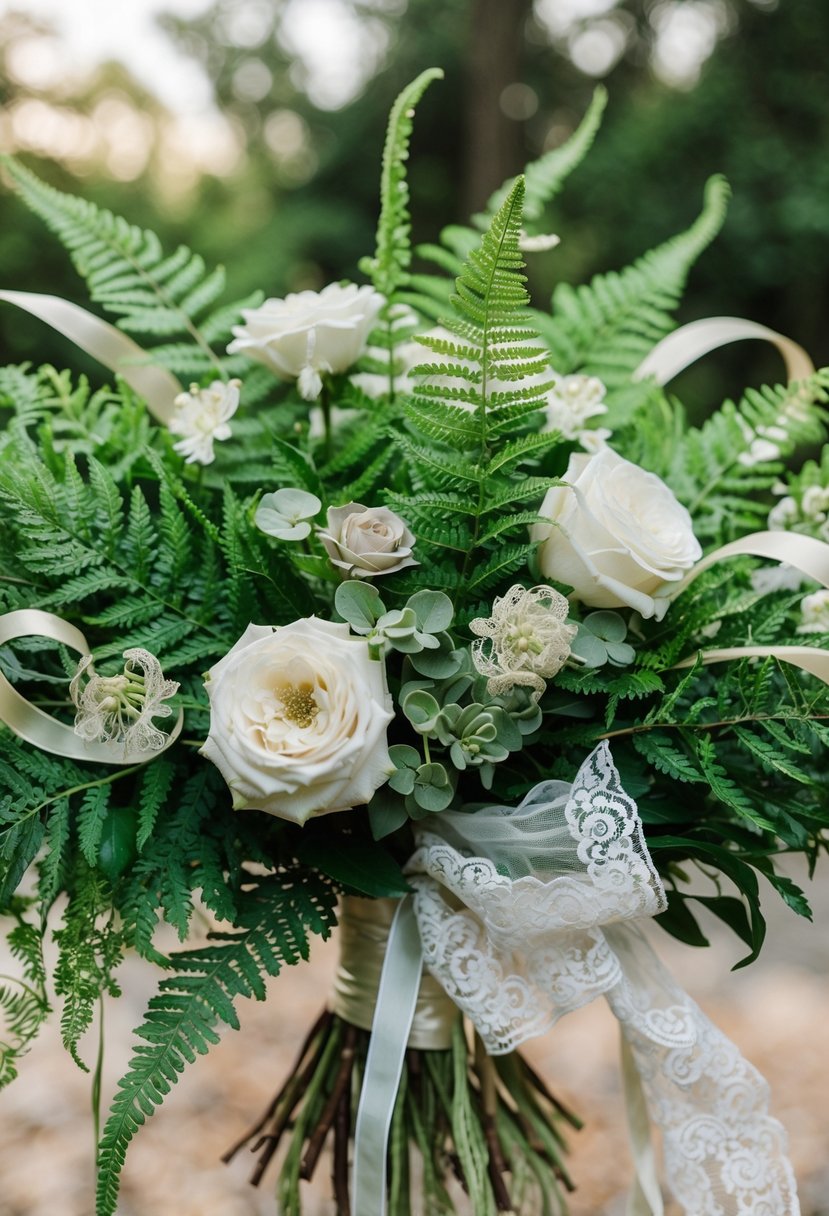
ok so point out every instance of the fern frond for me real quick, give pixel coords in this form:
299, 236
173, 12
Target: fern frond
606, 329
273, 926
545, 177
128, 273
387, 269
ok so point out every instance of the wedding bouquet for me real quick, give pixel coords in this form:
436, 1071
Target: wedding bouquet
416, 597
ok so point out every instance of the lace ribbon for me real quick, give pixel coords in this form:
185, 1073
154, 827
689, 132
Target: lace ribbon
528, 913
40, 728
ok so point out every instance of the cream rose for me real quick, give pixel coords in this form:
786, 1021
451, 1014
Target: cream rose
309, 333
616, 534
367, 541
298, 718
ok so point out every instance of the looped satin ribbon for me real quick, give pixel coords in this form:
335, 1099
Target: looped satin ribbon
804, 553
106, 344
690, 342
40, 728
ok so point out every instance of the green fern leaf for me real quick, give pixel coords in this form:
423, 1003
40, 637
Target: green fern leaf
387, 269
546, 176
274, 922
607, 328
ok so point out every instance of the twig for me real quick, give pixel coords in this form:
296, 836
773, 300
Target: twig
342, 1130
322, 1022
329, 1111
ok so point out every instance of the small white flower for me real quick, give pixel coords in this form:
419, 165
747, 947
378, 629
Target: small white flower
525, 641
776, 578
285, 513
201, 417
120, 709
814, 611
537, 243
815, 503
309, 333
783, 514
573, 401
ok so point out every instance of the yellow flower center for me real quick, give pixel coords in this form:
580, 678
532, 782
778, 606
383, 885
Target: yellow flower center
298, 703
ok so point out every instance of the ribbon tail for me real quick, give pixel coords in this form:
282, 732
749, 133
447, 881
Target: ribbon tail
646, 1195
393, 1017
106, 344
724, 1154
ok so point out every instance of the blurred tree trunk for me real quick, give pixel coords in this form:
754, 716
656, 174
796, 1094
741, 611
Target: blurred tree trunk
494, 145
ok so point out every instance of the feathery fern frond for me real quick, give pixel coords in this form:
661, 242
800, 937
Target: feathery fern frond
272, 929
24, 1003
128, 273
545, 177
387, 269
724, 469
605, 329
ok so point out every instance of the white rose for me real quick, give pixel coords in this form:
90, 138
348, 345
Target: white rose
309, 333
616, 534
298, 718
367, 541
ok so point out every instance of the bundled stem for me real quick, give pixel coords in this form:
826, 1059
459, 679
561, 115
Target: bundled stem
464, 1122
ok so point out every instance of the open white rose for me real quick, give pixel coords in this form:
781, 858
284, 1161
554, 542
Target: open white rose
309, 333
367, 541
298, 718
616, 534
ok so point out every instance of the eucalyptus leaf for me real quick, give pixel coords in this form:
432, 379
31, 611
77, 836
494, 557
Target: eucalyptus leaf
359, 603
433, 609
609, 626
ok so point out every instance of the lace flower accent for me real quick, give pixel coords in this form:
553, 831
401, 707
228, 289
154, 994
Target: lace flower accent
120, 709
201, 417
525, 641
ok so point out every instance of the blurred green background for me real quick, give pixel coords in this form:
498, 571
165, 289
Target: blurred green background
252, 130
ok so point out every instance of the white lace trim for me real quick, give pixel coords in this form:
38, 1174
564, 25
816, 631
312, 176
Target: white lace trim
542, 924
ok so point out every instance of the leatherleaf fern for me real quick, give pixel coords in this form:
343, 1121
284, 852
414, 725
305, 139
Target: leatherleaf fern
171, 299
275, 916
474, 424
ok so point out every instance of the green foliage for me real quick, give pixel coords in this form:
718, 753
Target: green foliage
545, 177
605, 329
275, 916
24, 1003
126, 270
469, 417
725, 469
390, 263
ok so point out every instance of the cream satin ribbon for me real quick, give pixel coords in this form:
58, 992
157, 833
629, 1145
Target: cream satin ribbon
364, 926
110, 346
690, 342
40, 728
804, 553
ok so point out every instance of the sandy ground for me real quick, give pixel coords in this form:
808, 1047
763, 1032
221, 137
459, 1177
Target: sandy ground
776, 1011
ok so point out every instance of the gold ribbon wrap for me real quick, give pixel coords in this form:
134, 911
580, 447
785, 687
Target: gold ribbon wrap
364, 932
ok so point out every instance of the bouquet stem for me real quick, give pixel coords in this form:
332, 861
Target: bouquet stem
463, 1122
